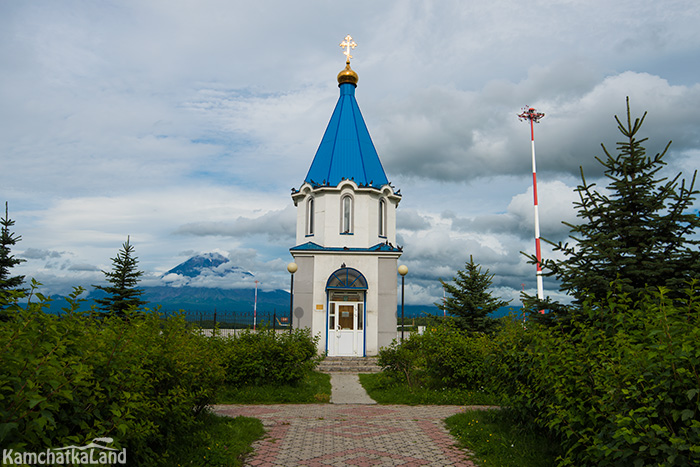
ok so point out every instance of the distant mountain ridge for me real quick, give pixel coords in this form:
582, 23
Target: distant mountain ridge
177, 293
209, 299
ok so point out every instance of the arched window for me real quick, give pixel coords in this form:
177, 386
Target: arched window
382, 217
310, 217
347, 279
346, 214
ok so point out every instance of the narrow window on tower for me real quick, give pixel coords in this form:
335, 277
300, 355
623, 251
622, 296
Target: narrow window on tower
346, 215
310, 217
382, 218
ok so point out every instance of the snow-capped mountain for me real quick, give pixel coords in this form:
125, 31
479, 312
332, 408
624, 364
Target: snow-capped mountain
194, 266
207, 269
208, 282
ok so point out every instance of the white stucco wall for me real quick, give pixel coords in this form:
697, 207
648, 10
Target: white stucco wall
327, 215
315, 267
379, 268
380, 305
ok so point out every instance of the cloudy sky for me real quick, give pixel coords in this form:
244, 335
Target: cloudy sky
185, 124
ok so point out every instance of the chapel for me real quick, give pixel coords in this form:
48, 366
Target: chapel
345, 284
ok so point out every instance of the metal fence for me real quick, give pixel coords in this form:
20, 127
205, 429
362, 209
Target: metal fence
226, 319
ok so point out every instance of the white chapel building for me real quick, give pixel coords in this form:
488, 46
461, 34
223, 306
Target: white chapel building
345, 286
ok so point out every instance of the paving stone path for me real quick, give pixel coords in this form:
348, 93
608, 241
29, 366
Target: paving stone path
319, 435
346, 389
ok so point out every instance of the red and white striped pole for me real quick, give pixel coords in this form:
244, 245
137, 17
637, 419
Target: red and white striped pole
533, 116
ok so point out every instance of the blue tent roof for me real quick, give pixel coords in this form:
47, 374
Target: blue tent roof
346, 150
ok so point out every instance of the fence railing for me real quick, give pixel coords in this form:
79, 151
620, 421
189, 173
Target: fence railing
218, 332
226, 319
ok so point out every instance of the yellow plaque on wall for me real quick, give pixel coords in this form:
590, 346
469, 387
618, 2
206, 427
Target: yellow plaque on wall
319, 307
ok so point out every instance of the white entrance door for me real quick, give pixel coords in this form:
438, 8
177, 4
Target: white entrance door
345, 329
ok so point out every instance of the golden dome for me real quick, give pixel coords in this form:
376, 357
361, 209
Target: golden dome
348, 75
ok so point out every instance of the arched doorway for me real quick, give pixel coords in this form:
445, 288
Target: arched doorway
346, 291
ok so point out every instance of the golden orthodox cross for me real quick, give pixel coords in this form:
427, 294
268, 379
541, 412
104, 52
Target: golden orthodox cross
347, 44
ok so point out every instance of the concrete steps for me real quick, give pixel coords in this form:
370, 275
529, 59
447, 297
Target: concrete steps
349, 365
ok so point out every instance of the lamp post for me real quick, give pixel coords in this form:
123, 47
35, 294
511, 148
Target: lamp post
403, 270
292, 268
255, 306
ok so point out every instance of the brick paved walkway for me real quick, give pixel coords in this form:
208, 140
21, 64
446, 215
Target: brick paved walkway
318, 435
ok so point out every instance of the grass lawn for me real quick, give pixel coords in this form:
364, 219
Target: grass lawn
314, 389
495, 439
385, 390
220, 441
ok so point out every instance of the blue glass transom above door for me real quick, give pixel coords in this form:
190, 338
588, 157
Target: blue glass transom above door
347, 278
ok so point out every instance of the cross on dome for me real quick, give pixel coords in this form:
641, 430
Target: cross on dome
347, 44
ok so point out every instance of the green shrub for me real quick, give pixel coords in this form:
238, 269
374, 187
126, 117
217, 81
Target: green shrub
268, 357
403, 360
624, 390
69, 379
456, 359
443, 357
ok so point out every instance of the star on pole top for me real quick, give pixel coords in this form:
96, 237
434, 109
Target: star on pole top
347, 44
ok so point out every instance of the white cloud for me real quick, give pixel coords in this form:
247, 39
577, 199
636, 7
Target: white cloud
279, 225
555, 203
448, 134
184, 125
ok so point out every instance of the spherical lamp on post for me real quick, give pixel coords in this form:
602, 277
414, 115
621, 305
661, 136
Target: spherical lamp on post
292, 268
403, 270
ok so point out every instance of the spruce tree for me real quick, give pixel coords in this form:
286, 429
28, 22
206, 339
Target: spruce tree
7, 260
124, 276
469, 299
639, 231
